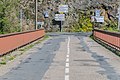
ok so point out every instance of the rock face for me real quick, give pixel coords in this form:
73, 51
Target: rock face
20, 14
108, 9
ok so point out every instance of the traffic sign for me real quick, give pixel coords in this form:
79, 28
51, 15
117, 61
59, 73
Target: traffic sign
119, 10
60, 17
99, 18
46, 14
40, 23
63, 8
97, 12
92, 18
119, 18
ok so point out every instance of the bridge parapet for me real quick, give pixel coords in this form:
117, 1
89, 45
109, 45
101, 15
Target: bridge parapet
13, 41
110, 38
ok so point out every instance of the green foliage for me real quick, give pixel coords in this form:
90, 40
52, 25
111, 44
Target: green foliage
2, 62
113, 26
8, 16
83, 25
11, 58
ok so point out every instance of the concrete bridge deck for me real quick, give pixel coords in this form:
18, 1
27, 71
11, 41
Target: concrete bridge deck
66, 57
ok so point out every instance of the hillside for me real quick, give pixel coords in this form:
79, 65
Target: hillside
85, 9
19, 15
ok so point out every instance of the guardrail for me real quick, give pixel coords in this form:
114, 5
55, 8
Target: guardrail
110, 38
13, 41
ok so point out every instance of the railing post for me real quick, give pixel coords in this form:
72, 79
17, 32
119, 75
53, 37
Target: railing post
36, 10
119, 17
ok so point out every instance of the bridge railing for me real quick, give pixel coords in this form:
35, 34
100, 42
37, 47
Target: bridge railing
13, 41
110, 38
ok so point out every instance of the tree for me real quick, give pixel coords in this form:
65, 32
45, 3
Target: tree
9, 16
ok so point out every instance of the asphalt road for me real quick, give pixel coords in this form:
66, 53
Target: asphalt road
67, 56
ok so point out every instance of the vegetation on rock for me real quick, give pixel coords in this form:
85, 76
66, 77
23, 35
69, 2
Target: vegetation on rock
78, 18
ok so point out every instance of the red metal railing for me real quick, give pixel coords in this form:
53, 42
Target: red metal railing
12, 41
110, 38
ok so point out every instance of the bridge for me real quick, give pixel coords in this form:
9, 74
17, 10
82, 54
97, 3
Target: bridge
62, 56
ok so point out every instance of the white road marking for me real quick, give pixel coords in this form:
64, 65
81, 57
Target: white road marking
68, 52
67, 56
67, 65
66, 77
67, 60
67, 70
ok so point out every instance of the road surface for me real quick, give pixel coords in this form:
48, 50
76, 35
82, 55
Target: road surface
67, 56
